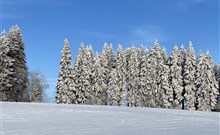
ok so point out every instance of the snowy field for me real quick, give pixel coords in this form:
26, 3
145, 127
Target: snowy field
52, 119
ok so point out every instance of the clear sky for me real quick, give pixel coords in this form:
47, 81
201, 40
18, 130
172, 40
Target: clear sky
45, 24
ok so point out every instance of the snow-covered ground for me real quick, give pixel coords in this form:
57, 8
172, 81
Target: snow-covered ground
52, 119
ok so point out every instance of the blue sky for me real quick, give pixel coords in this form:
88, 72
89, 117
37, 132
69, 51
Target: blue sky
45, 24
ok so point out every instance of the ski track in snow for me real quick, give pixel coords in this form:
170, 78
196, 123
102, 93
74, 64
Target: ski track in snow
52, 119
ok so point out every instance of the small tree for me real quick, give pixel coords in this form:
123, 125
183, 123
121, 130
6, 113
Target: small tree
37, 86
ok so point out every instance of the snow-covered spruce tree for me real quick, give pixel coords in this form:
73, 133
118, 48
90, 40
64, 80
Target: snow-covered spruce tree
117, 82
176, 79
111, 66
6, 68
182, 60
20, 73
152, 73
79, 75
166, 92
202, 93
88, 72
106, 61
145, 79
207, 86
66, 92
156, 68
133, 69
121, 75
189, 79
99, 85
213, 87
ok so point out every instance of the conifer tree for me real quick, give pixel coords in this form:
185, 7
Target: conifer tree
20, 73
133, 69
88, 69
182, 60
66, 92
117, 83
214, 86
145, 80
107, 62
166, 92
111, 67
189, 79
121, 74
207, 86
6, 69
202, 93
99, 83
156, 68
79, 75
176, 80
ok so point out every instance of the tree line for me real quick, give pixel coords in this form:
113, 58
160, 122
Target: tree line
138, 77
128, 77
17, 84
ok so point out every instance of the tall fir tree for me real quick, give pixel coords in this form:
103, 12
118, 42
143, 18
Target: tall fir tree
89, 77
111, 67
145, 79
202, 93
99, 85
20, 69
117, 78
176, 79
156, 68
107, 62
6, 69
133, 69
121, 74
213, 84
66, 92
79, 75
189, 79
182, 61
207, 86
166, 92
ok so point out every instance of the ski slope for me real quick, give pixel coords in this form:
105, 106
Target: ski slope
52, 119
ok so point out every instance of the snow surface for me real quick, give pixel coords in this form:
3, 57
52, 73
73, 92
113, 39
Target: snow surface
53, 119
